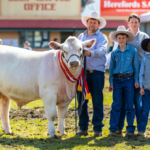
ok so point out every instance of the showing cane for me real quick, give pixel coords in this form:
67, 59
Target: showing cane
83, 85
75, 97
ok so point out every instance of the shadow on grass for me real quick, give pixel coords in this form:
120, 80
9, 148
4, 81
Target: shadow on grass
72, 142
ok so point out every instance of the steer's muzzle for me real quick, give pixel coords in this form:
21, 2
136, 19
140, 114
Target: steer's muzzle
74, 64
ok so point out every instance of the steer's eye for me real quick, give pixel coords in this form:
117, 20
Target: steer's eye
80, 49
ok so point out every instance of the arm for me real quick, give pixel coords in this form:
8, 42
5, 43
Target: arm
111, 68
146, 36
100, 48
108, 57
115, 46
141, 74
136, 66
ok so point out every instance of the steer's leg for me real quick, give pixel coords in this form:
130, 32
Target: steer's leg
51, 113
4, 113
61, 119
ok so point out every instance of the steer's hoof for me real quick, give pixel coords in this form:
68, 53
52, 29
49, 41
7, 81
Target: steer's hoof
55, 137
9, 133
64, 133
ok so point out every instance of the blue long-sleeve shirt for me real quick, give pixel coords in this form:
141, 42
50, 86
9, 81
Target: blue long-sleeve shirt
98, 51
123, 63
142, 70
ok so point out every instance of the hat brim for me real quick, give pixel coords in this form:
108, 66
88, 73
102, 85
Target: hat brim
112, 35
101, 20
145, 43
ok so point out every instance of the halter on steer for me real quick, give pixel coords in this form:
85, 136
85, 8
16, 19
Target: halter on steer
79, 57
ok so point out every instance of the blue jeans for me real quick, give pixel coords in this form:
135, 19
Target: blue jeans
122, 87
144, 111
137, 101
95, 83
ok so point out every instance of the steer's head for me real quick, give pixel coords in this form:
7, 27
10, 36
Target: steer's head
72, 50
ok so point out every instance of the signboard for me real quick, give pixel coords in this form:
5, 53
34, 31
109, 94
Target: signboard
124, 7
40, 8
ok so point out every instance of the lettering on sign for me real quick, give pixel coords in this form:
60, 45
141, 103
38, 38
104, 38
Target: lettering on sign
124, 7
40, 8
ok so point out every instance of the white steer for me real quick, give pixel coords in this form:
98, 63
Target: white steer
26, 76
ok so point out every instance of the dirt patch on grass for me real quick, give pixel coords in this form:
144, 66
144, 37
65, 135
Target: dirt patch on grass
38, 112
27, 113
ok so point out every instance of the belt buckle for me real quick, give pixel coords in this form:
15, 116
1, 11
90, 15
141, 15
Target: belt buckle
91, 71
120, 76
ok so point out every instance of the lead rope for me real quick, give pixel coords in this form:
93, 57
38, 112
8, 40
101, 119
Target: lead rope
75, 98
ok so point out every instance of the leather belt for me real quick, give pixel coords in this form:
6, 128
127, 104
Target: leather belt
123, 76
91, 71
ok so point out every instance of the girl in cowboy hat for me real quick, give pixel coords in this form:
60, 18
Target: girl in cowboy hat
144, 79
124, 70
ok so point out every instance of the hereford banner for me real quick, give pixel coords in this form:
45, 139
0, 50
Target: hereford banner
40, 8
124, 7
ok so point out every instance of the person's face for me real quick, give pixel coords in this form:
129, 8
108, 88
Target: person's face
92, 25
25, 45
148, 47
122, 39
133, 24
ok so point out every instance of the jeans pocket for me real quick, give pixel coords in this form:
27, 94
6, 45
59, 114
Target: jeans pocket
99, 73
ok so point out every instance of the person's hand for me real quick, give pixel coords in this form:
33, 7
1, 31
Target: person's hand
142, 92
111, 88
137, 85
87, 53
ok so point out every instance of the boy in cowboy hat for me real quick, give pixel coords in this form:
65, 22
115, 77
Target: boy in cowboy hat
144, 79
95, 72
124, 70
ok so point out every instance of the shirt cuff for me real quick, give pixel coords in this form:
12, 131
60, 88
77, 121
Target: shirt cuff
95, 54
111, 83
92, 53
141, 86
136, 81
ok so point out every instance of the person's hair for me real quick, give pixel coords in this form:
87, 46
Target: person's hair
134, 16
122, 34
55, 39
26, 42
94, 19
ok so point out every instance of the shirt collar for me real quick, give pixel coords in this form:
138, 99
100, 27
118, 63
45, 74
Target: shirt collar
86, 31
136, 33
148, 53
127, 48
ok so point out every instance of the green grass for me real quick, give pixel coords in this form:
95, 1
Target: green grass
30, 132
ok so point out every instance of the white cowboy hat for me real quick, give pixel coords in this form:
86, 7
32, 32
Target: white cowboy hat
96, 16
121, 29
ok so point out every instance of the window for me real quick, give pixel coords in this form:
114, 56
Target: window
37, 39
22, 39
65, 35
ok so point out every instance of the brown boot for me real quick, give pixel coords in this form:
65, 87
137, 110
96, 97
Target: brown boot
118, 132
140, 133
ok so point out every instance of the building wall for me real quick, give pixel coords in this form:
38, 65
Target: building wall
0, 7
109, 41
9, 35
54, 35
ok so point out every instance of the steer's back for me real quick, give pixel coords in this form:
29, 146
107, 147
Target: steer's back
19, 73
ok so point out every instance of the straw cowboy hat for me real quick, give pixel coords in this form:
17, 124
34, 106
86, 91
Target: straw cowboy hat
145, 43
121, 29
96, 16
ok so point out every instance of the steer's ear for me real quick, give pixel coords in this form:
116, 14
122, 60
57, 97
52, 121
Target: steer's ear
55, 45
88, 43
